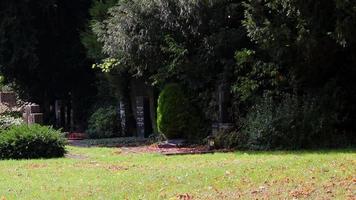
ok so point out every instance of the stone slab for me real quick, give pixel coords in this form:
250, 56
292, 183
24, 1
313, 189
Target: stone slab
35, 118
33, 108
8, 98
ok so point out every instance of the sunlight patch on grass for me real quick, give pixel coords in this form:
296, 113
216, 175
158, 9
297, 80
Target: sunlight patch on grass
104, 173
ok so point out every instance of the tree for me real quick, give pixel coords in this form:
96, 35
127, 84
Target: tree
190, 42
304, 37
310, 44
98, 13
40, 50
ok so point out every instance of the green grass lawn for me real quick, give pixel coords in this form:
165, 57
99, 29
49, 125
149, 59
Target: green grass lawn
104, 173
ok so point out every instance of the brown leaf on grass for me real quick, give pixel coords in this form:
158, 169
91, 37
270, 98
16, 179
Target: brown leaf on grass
302, 192
184, 197
346, 182
36, 166
261, 189
220, 194
351, 197
329, 185
254, 192
115, 168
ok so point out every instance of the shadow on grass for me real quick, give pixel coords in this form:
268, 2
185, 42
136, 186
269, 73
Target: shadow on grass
110, 142
300, 152
140, 142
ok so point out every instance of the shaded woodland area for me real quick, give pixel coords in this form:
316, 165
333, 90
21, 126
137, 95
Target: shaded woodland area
280, 73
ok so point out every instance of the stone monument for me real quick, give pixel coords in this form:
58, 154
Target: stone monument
32, 114
143, 119
224, 100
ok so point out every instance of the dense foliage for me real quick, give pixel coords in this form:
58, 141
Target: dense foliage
288, 65
34, 141
103, 123
229, 139
304, 53
292, 123
98, 13
189, 42
10, 116
7, 121
176, 117
41, 53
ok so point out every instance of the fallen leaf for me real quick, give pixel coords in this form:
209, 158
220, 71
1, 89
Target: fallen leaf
184, 197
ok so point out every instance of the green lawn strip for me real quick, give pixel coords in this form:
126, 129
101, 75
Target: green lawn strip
104, 173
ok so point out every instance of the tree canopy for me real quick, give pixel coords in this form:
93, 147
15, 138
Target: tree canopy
265, 47
271, 57
40, 49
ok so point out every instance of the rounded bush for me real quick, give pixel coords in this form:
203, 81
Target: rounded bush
31, 141
103, 123
176, 117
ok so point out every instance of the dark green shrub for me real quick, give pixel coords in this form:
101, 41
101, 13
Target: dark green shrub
258, 123
291, 123
176, 116
14, 114
103, 123
229, 139
34, 141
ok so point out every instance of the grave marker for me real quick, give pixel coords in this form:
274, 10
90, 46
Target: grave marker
122, 114
143, 118
140, 116
32, 114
